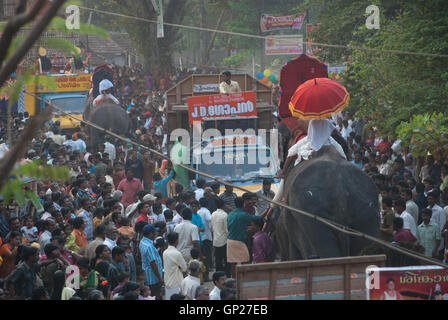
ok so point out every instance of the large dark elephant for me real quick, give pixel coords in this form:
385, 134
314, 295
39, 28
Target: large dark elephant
109, 116
330, 187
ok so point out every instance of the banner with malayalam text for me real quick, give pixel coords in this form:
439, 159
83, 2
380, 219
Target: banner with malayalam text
284, 45
408, 283
240, 104
269, 22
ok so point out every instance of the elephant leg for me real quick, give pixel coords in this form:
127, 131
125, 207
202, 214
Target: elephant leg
282, 238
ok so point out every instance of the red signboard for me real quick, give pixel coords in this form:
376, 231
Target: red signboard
408, 283
240, 104
269, 22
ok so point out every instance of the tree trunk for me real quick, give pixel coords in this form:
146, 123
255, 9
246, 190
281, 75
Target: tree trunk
203, 34
212, 40
173, 13
157, 52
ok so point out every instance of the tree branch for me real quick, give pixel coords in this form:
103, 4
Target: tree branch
212, 40
33, 35
18, 150
14, 25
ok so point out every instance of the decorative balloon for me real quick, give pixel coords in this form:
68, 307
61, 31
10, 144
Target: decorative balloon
260, 76
267, 73
265, 81
272, 78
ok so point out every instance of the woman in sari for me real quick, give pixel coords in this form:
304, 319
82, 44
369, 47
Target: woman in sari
88, 278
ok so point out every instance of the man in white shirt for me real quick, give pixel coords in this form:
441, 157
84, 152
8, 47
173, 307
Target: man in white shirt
58, 138
199, 192
219, 280
177, 214
111, 236
206, 235
228, 86
45, 237
81, 144
174, 266
438, 214
411, 206
171, 205
408, 220
188, 235
72, 144
220, 232
109, 148
191, 282
49, 210
346, 129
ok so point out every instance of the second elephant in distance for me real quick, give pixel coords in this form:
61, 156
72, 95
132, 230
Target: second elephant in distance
109, 116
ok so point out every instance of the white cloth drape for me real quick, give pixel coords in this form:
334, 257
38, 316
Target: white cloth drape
318, 133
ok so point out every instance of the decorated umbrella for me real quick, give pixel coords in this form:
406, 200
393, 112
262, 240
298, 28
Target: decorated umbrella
318, 98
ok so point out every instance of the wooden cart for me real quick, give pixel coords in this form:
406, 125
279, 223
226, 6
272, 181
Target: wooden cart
320, 279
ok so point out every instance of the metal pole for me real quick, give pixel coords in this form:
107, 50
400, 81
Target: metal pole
253, 66
262, 41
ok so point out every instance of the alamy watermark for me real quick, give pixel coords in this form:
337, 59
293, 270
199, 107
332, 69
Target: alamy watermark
373, 20
214, 147
72, 277
73, 19
372, 278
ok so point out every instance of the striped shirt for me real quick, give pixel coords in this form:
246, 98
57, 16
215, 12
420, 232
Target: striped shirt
229, 199
149, 253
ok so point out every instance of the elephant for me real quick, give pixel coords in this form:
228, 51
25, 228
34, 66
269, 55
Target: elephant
88, 107
332, 188
109, 116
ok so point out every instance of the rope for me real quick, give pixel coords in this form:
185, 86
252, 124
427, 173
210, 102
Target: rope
246, 35
330, 224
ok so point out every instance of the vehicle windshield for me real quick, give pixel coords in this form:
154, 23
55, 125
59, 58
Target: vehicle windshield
248, 170
70, 104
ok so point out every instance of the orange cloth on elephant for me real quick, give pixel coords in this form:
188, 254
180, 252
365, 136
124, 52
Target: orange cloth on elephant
237, 252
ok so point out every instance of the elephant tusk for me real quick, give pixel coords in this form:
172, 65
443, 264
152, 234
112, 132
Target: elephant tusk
310, 193
279, 194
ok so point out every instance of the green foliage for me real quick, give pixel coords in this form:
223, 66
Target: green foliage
240, 59
13, 89
16, 187
14, 45
425, 132
60, 44
391, 88
58, 24
402, 95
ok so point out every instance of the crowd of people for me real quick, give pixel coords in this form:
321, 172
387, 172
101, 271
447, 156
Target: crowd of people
413, 196
122, 227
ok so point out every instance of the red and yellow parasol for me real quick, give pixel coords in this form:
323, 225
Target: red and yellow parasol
318, 98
